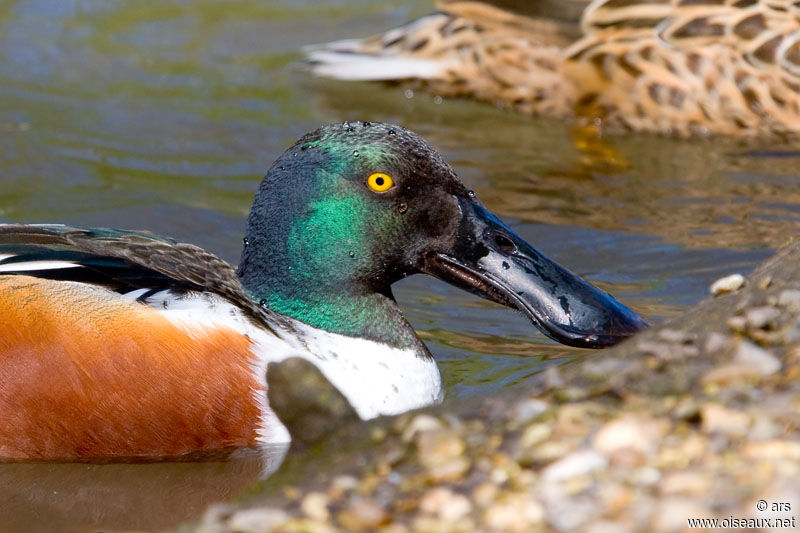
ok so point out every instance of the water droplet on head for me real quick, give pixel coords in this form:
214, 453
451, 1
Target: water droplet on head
355, 153
402, 208
506, 266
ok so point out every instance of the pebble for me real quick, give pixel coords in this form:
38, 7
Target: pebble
605, 526
484, 494
534, 434
731, 283
362, 514
575, 464
760, 359
552, 378
675, 336
257, 520
737, 323
762, 317
340, 486
773, 449
716, 342
685, 483
789, 299
419, 424
440, 451
671, 514
749, 361
449, 506
528, 409
720, 419
514, 513
315, 505
630, 433
646, 477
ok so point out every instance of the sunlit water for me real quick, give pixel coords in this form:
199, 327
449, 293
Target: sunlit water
164, 115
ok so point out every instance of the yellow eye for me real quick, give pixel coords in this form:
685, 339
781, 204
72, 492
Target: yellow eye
380, 182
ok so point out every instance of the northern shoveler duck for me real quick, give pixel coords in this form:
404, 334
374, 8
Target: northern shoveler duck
679, 67
122, 343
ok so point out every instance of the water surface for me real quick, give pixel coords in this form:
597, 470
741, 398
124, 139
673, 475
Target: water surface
164, 115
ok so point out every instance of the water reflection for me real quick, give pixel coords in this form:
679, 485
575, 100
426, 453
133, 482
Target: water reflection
84, 497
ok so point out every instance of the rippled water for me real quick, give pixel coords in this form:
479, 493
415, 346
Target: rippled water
163, 115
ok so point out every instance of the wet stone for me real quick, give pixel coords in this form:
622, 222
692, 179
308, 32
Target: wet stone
362, 514
637, 434
789, 299
514, 513
675, 336
340, 486
258, 520
762, 317
684, 483
419, 424
446, 504
671, 514
576, 464
720, 419
441, 453
528, 409
727, 284
749, 362
315, 505
305, 401
737, 323
760, 359
716, 342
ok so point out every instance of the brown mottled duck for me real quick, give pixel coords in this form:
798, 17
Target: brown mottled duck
676, 67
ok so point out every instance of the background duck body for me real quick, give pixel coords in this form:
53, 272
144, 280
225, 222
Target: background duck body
678, 67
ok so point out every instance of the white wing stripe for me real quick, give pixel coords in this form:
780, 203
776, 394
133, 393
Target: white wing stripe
26, 266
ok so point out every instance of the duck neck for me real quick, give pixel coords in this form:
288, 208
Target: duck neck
346, 311
273, 276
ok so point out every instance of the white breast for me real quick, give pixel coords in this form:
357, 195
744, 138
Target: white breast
376, 379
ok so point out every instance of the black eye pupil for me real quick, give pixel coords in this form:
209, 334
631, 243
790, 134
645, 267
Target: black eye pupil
379, 181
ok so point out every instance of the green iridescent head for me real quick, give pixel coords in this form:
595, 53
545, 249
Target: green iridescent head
350, 209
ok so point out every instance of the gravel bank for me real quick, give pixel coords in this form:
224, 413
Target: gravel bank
696, 418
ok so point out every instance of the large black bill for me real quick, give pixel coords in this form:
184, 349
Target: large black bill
491, 261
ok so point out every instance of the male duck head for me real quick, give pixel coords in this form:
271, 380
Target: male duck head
352, 208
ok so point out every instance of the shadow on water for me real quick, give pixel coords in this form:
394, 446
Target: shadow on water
165, 114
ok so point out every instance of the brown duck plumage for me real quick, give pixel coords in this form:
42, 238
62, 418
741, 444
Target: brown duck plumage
679, 67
